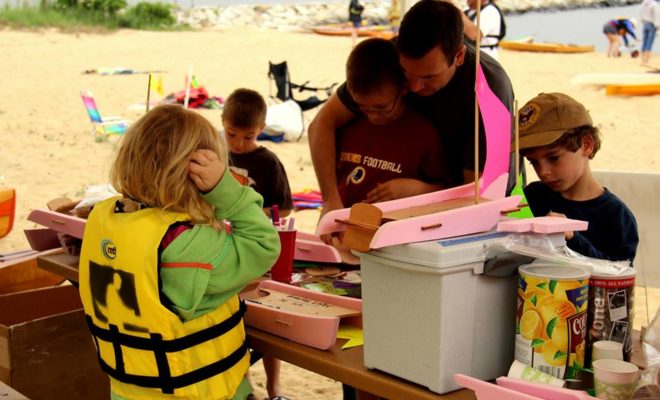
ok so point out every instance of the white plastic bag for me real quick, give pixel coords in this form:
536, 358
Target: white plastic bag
285, 119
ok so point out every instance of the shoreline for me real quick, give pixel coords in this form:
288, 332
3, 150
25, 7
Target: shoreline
302, 15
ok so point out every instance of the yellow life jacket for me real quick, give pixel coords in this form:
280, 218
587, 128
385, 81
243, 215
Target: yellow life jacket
147, 350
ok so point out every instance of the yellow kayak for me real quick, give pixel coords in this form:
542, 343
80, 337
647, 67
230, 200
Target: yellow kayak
383, 31
633, 90
544, 47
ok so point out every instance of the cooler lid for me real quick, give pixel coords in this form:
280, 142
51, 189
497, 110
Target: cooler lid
445, 253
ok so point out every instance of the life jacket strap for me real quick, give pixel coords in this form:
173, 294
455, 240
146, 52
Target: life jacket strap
155, 343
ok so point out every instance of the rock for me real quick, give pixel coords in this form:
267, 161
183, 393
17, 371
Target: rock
288, 16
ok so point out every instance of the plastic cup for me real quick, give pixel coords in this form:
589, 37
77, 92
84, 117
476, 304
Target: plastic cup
615, 379
525, 372
607, 350
282, 270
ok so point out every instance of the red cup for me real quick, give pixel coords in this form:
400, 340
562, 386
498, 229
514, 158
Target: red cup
282, 270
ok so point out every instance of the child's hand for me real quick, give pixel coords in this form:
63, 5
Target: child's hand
568, 235
205, 169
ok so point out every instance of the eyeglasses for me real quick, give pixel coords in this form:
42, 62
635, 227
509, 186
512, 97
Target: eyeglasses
382, 109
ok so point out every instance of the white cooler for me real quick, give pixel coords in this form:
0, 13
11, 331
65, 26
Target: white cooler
430, 312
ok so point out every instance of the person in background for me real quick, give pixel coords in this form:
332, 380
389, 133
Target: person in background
650, 17
440, 72
355, 10
493, 27
243, 118
394, 16
160, 275
615, 28
392, 151
558, 138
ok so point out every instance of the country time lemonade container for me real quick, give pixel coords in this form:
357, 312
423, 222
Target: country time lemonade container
551, 318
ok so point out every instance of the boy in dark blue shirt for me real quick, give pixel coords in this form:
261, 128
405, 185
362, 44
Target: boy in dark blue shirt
558, 138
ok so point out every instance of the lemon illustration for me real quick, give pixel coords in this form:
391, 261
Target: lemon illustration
553, 307
560, 336
579, 353
552, 355
531, 325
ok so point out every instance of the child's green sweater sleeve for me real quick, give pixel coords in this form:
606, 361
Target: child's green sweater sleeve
208, 265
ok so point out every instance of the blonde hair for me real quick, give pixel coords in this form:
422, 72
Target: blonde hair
152, 163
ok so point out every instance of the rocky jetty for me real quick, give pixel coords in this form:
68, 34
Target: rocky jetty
297, 16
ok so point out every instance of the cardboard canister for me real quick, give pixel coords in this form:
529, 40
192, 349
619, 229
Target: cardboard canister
611, 310
551, 318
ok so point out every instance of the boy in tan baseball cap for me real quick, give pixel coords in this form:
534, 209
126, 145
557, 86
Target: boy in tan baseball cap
558, 138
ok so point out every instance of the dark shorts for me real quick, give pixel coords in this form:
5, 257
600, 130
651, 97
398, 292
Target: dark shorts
608, 29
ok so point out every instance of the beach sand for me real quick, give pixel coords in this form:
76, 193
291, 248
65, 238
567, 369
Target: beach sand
46, 150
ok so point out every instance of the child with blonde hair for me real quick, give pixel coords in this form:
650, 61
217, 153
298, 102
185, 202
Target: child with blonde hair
160, 274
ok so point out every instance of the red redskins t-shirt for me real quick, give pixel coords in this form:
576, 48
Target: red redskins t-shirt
369, 154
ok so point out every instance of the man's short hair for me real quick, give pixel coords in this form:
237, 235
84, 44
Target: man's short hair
429, 24
372, 63
244, 108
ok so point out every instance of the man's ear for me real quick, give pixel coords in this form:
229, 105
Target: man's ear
460, 56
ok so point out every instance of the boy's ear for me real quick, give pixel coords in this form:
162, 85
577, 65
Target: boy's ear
263, 126
588, 145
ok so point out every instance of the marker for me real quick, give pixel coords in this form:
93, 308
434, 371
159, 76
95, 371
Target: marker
291, 222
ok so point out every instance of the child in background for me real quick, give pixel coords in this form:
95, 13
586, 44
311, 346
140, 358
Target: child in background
159, 274
243, 118
558, 138
391, 151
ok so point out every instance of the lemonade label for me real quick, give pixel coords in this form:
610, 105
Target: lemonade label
551, 324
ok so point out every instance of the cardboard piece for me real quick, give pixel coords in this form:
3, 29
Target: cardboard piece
46, 350
41, 239
298, 304
25, 276
361, 226
62, 205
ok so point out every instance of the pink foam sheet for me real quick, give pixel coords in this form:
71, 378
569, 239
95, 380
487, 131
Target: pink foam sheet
542, 225
457, 222
497, 123
543, 391
316, 331
490, 391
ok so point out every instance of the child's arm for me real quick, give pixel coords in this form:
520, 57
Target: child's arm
622, 234
208, 266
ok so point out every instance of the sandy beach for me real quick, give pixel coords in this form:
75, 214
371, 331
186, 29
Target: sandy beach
47, 150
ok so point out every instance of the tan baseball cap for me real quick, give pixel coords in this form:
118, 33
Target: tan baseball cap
546, 117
